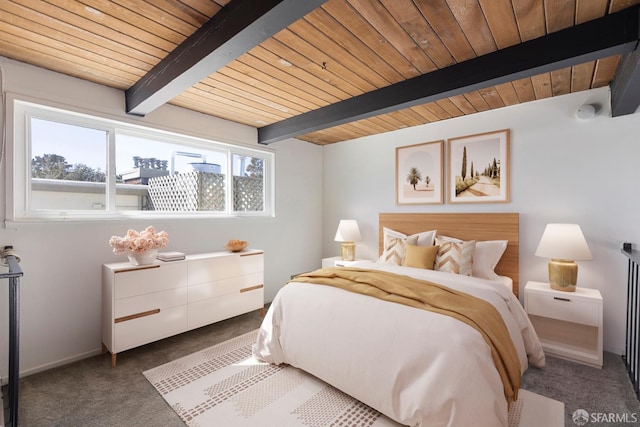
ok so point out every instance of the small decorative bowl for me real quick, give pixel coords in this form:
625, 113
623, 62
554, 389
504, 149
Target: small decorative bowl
236, 245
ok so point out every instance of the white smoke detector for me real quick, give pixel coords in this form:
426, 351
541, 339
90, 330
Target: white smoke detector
586, 111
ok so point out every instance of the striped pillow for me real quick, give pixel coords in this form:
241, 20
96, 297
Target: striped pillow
455, 257
395, 247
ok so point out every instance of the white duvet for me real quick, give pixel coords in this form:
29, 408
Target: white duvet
417, 367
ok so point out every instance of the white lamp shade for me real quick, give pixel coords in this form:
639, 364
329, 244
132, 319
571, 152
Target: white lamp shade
348, 231
563, 241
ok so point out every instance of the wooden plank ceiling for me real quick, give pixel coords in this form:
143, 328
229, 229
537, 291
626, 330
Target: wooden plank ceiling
340, 50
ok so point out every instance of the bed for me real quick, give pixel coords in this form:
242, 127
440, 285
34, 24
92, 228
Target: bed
417, 366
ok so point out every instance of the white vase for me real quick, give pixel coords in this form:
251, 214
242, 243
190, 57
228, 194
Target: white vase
144, 258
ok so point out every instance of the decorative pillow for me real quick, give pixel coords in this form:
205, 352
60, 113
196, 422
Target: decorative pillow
455, 256
420, 256
486, 257
426, 238
394, 246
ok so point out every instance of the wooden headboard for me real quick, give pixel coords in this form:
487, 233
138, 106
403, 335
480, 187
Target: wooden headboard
465, 226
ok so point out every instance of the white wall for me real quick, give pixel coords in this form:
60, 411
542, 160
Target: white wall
562, 170
60, 291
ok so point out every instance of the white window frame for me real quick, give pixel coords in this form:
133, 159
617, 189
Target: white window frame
18, 162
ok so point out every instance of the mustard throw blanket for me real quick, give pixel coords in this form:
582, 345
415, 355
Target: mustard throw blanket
473, 311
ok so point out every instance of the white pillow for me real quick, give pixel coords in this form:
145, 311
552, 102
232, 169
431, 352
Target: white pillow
394, 246
486, 257
426, 238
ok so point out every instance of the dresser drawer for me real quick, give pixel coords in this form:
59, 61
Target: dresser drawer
146, 329
224, 286
155, 278
561, 307
215, 309
224, 267
144, 303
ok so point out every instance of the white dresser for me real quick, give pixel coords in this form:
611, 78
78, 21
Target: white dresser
142, 304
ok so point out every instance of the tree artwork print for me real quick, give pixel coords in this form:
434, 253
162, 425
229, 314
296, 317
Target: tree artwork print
478, 168
419, 173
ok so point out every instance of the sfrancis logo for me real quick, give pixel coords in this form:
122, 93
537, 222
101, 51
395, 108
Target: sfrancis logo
580, 417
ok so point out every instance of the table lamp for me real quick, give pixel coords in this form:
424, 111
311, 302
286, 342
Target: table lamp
564, 244
348, 233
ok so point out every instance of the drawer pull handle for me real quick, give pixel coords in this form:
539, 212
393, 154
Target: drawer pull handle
252, 254
252, 288
562, 299
136, 316
146, 267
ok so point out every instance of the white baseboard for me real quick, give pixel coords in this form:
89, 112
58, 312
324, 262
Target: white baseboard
47, 366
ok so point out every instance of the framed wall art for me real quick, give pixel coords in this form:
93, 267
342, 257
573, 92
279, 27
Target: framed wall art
419, 176
479, 168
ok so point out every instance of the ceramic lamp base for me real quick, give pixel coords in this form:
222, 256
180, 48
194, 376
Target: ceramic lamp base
563, 275
348, 251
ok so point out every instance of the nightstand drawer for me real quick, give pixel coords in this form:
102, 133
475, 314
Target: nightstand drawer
561, 307
337, 261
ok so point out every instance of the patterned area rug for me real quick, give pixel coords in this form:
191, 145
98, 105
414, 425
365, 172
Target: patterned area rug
224, 385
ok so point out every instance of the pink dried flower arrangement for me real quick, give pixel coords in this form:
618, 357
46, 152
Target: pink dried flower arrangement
138, 243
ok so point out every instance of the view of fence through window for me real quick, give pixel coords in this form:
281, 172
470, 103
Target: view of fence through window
152, 173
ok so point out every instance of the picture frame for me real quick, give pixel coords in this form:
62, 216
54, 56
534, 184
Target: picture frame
479, 167
419, 173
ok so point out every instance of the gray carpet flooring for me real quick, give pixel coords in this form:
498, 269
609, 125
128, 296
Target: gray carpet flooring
90, 393
606, 394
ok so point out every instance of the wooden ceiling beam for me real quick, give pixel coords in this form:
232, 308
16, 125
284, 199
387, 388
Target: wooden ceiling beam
613, 34
238, 27
625, 87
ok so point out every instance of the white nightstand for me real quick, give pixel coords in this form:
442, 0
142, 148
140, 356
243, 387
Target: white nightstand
569, 324
336, 261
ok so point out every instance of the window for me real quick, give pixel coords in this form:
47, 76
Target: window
248, 180
70, 165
